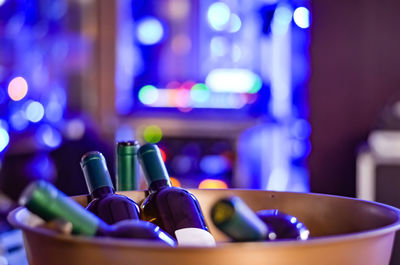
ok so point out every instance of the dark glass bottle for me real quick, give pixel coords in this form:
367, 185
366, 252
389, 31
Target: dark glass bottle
107, 205
127, 166
175, 210
285, 226
49, 203
235, 219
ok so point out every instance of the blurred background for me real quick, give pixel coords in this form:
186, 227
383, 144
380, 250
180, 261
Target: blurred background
287, 95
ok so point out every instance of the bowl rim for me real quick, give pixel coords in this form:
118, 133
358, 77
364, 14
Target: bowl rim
147, 244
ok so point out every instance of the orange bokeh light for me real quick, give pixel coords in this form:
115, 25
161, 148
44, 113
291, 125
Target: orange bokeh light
17, 88
175, 182
213, 184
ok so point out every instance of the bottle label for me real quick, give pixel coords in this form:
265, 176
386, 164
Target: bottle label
194, 237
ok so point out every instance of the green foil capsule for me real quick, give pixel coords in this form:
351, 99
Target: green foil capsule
95, 170
127, 166
152, 164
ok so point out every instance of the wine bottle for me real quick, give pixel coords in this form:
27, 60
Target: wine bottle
285, 226
107, 205
49, 203
235, 219
127, 166
174, 209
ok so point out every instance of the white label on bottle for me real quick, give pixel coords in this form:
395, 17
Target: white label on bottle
194, 237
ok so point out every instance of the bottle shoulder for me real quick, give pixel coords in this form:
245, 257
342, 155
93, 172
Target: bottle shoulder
93, 205
116, 199
173, 190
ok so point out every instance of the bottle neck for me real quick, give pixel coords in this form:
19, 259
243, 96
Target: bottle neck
159, 185
102, 192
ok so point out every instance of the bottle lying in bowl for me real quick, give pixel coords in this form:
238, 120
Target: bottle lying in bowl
49, 203
234, 218
107, 205
175, 210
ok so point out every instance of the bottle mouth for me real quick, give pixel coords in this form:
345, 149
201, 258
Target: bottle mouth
222, 212
128, 147
27, 193
92, 155
146, 148
152, 164
95, 171
38, 192
128, 143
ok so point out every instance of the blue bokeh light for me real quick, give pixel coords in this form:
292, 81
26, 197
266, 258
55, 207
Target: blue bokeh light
41, 167
214, 164
150, 31
34, 111
219, 46
54, 111
301, 17
301, 129
4, 139
18, 121
124, 133
48, 136
218, 15
235, 23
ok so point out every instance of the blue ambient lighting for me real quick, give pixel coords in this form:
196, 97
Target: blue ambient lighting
281, 20
128, 58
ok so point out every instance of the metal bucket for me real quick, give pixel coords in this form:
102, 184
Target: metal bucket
344, 231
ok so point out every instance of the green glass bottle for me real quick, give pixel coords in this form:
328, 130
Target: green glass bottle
127, 166
175, 210
233, 217
45, 200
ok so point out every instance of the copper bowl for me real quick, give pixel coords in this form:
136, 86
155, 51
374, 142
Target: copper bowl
344, 231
